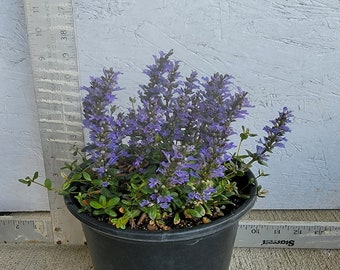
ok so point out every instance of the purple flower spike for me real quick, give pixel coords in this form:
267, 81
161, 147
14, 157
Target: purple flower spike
275, 135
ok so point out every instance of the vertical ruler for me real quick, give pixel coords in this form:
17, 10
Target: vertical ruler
53, 51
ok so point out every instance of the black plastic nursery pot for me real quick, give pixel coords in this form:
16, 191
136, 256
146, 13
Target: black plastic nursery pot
207, 246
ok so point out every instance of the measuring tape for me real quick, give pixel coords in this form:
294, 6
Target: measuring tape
251, 234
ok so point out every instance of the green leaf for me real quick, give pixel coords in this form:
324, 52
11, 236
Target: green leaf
244, 136
177, 219
110, 212
121, 222
98, 212
134, 186
200, 210
207, 209
239, 173
126, 202
97, 182
35, 176
106, 192
48, 184
152, 212
102, 200
261, 162
24, 181
135, 213
112, 202
77, 176
192, 213
96, 205
66, 185
177, 202
249, 153
87, 176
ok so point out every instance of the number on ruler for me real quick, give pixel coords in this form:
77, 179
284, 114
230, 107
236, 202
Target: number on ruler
277, 231
63, 35
255, 230
297, 231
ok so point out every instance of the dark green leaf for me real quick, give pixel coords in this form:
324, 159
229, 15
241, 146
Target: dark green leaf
106, 192
24, 181
262, 162
244, 136
35, 176
240, 173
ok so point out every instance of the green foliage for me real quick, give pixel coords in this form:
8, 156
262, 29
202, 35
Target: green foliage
169, 158
108, 200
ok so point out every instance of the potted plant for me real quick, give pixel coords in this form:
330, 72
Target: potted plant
162, 185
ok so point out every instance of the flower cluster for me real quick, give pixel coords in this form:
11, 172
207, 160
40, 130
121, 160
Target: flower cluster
170, 155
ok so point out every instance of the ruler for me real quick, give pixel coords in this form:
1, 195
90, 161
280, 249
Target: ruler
270, 234
25, 229
251, 234
53, 51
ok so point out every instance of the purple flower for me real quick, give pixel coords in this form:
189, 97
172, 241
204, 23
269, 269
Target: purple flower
144, 203
163, 201
105, 184
207, 193
275, 135
103, 147
177, 137
219, 172
153, 182
193, 195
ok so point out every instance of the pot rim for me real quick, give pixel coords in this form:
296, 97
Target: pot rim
166, 236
